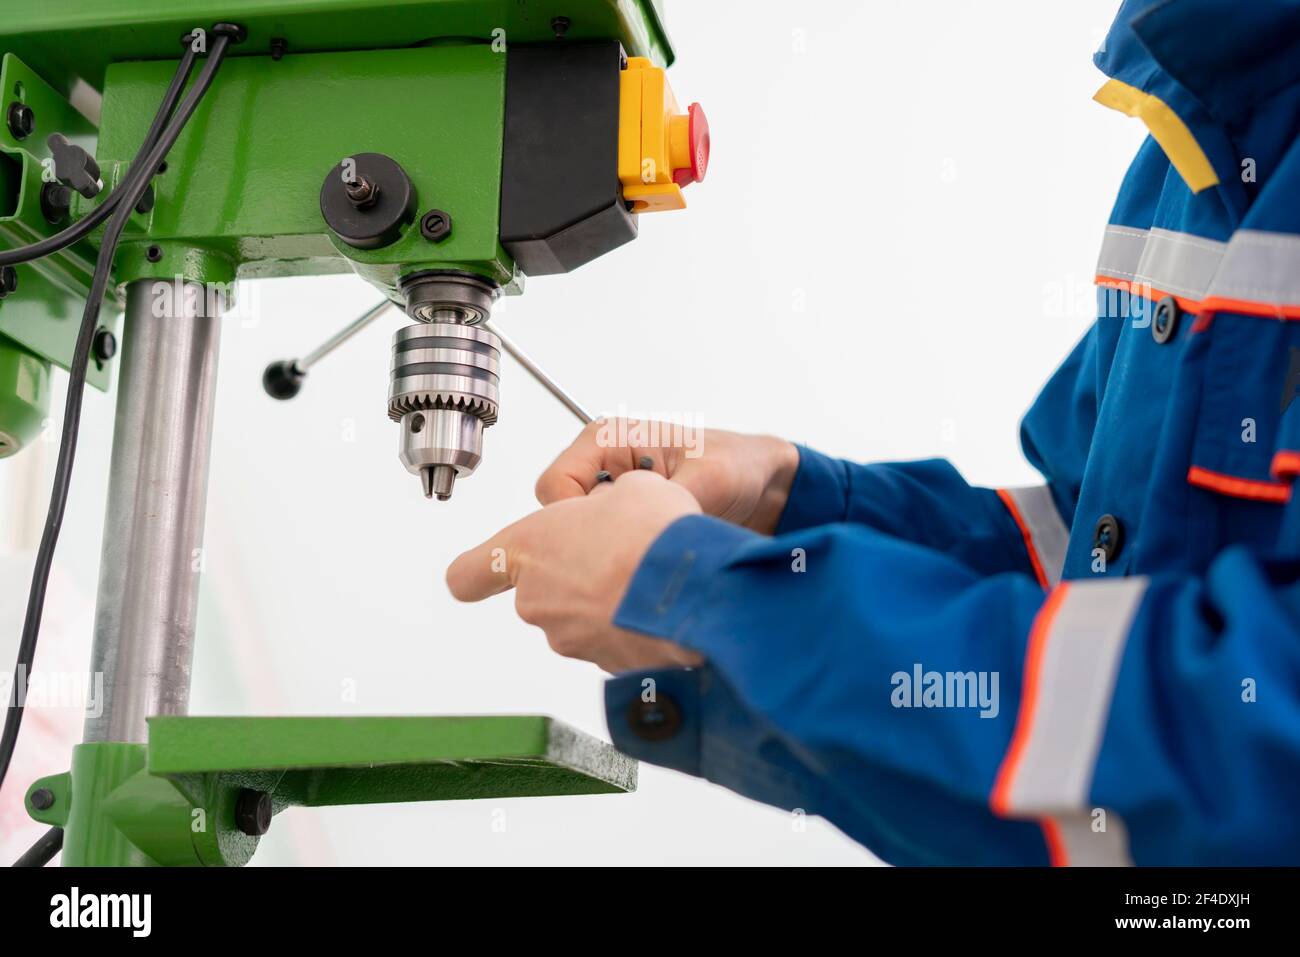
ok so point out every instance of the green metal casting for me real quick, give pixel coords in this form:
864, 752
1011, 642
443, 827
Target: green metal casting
243, 182
43, 314
172, 802
67, 39
24, 396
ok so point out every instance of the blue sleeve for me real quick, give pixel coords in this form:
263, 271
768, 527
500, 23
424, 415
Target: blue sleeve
941, 716
927, 503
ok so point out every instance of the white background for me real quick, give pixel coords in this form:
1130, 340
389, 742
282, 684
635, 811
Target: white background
893, 250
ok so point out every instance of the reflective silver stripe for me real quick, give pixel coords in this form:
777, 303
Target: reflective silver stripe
1080, 659
1085, 843
1121, 252
1167, 261
1260, 267
1254, 266
1046, 530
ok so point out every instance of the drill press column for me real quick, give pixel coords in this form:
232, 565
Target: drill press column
153, 533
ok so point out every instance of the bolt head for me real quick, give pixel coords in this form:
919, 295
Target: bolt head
253, 812
56, 203
104, 345
8, 281
362, 193
435, 225
22, 121
42, 799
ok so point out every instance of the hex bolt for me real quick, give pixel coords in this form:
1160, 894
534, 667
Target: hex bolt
56, 203
435, 225
253, 812
104, 345
560, 26
8, 281
361, 192
22, 121
42, 799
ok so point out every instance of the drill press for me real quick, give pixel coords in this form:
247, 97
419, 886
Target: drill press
442, 150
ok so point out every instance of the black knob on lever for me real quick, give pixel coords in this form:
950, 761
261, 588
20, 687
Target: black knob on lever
283, 379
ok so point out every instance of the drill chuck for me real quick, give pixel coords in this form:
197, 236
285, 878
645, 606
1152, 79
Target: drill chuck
443, 394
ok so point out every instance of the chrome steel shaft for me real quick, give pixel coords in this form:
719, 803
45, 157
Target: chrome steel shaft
153, 532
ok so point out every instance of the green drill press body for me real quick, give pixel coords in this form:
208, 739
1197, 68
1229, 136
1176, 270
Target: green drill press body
315, 82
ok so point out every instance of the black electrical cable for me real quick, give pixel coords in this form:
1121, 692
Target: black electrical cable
89, 223
43, 851
131, 189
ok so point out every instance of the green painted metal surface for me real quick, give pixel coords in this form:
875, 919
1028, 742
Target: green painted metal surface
70, 39
325, 761
45, 312
244, 179
172, 802
24, 396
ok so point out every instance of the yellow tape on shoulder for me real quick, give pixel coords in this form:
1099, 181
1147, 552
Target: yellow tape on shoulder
1167, 128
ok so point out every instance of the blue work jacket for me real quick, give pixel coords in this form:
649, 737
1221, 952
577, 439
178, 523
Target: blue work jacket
1101, 670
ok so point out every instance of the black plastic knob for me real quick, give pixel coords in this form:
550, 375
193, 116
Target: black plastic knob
283, 380
73, 166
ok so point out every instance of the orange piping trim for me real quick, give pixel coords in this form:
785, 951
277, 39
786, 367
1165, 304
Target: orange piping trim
1239, 487
1286, 465
1019, 519
1000, 798
1206, 307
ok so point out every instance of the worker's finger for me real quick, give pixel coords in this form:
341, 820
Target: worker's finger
487, 569
573, 473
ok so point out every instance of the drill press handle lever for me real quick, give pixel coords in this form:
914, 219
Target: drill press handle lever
283, 378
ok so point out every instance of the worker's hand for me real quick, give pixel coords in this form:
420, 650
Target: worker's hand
744, 479
570, 564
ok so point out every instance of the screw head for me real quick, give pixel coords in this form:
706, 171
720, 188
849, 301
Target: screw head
435, 225
42, 799
104, 345
21, 119
8, 281
560, 26
253, 812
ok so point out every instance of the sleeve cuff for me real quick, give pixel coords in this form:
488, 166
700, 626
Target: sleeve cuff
678, 570
819, 495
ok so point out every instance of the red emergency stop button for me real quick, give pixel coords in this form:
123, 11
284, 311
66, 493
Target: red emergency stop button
660, 148
697, 143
